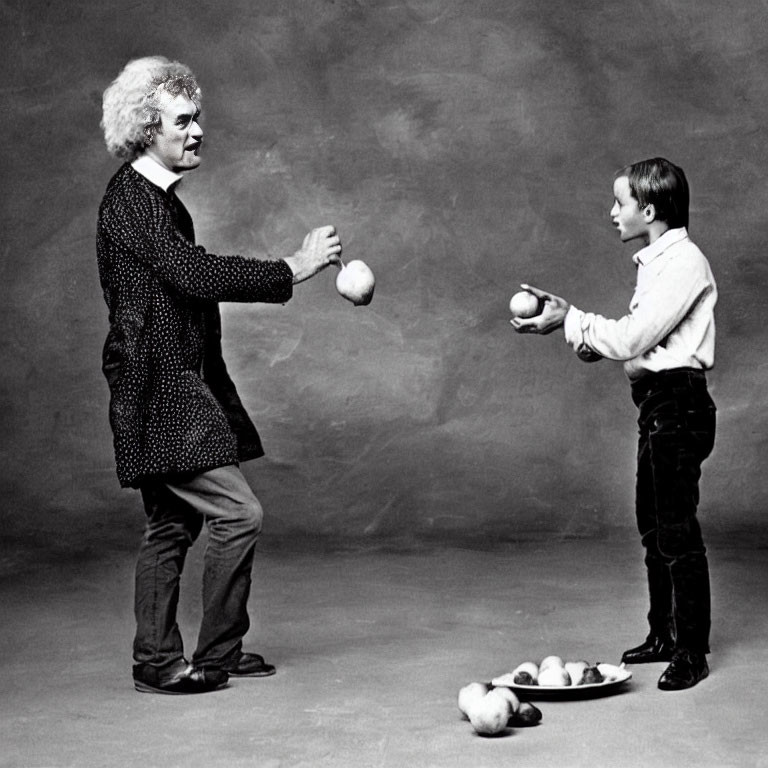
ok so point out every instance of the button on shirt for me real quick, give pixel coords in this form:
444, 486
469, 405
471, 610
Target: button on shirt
671, 320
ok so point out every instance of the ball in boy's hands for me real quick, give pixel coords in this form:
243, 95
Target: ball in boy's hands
524, 304
356, 282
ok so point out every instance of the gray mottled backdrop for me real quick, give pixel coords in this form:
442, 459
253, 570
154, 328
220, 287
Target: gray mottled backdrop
461, 147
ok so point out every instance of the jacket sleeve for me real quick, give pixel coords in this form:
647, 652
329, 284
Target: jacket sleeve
147, 231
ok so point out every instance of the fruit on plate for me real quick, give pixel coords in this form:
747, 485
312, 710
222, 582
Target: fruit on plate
551, 661
611, 672
507, 680
526, 715
553, 672
592, 675
526, 673
576, 670
554, 675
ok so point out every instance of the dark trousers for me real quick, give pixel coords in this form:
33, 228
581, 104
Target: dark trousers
677, 432
176, 510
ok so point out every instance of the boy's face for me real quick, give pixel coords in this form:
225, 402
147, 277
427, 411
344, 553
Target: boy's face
627, 217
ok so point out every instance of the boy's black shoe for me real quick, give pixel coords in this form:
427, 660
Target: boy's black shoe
686, 669
653, 649
248, 665
177, 679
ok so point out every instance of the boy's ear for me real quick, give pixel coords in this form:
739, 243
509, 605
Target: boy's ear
649, 213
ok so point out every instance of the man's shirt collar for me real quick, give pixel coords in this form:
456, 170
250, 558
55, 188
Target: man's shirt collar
646, 255
151, 170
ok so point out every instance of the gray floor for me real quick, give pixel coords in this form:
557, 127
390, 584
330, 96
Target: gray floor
372, 647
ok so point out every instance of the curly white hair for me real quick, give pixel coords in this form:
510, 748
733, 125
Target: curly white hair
131, 108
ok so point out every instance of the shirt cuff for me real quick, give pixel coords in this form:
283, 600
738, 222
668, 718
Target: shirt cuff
572, 327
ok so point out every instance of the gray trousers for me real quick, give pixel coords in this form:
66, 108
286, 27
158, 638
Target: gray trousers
176, 509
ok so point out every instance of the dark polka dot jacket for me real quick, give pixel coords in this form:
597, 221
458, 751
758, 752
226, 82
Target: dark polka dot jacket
173, 406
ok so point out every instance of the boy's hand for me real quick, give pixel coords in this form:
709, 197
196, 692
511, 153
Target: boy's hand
552, 316
321, 248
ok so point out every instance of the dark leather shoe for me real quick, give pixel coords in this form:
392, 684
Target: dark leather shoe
248, 665
177, 679
653, 649
686, 669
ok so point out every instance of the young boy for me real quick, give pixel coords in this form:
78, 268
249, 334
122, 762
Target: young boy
666, 342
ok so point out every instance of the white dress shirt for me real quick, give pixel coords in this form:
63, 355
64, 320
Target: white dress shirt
671, 321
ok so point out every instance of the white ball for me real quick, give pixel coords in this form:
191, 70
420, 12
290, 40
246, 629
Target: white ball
524, 304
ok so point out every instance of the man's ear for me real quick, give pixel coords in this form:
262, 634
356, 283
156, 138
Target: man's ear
649, 213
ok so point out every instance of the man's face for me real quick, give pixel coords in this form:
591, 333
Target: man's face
626, 213
178, 138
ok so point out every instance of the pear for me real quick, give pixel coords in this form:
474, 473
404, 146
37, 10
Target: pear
576, 670
610, 672
554, 676
549, 661
526, 715
524, 304
592, 675
490, 714
469, 695
356, 282
526, 673
503, 681
510, 696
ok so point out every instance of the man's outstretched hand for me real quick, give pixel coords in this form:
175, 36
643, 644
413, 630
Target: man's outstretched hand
320, 249
552, 316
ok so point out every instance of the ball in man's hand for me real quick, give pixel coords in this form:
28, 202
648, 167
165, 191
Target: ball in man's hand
524, 304
356, 282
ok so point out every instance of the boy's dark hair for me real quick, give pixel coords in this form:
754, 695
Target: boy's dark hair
662, 184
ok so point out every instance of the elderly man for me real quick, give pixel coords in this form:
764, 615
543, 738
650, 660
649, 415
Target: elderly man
180, 430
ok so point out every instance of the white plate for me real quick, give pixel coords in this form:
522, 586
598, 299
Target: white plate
615, 677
